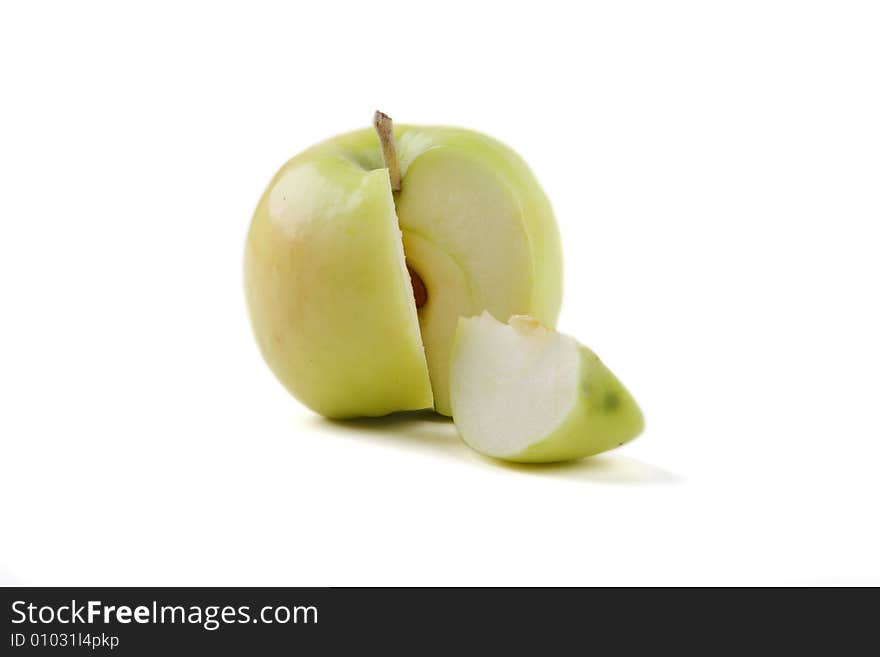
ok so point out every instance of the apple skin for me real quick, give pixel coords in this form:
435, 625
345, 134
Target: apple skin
328, 292
605, 417
329, 297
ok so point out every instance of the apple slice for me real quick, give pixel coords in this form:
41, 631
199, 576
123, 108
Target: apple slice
523, 392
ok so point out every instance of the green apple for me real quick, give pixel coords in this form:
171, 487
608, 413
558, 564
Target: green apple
523, 392
354, 288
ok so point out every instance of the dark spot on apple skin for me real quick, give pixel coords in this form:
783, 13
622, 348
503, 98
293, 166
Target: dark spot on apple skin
420, 292
611, 401
601, 401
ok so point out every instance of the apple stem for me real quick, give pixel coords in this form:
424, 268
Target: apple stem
385, 129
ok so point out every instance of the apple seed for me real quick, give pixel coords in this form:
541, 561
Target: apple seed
420, 292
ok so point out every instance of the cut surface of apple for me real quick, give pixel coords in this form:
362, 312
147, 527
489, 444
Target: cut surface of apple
332, 248
523, 392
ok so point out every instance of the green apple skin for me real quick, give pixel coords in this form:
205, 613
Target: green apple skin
328, 293
327, 289
605, 417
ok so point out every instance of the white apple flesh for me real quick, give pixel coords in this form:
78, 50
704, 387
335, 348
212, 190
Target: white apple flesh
463, 233
523, 392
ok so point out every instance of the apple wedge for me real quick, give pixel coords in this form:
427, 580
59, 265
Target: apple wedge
523, 392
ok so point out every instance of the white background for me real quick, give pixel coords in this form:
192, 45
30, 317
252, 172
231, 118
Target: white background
714, 168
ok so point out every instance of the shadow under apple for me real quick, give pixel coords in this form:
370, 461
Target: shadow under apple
424, 431
430, 432
608, 468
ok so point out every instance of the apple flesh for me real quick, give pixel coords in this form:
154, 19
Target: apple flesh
481, 236
336, 262
523, 392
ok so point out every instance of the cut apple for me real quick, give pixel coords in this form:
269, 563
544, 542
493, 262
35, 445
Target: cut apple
354, 289
523, 392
